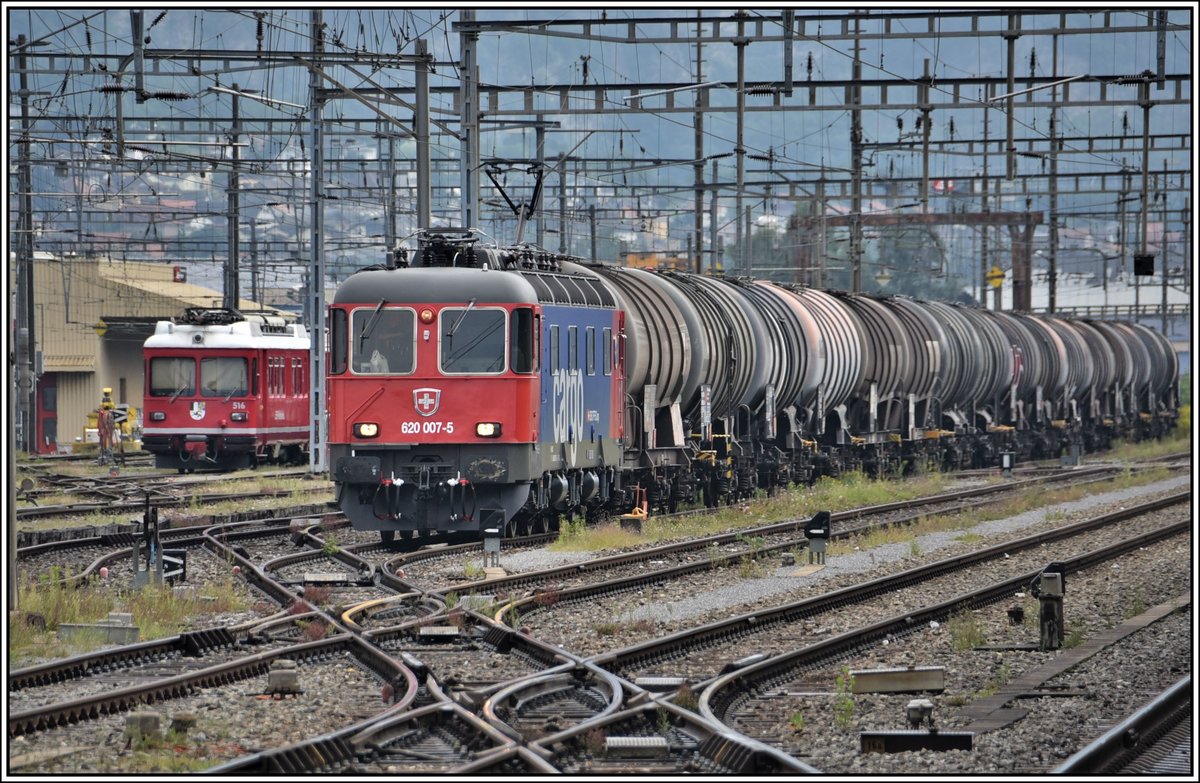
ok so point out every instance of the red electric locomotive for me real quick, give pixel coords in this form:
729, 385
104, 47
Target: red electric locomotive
226, 391
476, 389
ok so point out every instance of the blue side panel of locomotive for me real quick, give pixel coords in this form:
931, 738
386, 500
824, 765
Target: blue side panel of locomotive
576, 392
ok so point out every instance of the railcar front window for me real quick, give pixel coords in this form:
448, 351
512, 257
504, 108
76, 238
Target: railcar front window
384, 341
172, 376
224, 376
473, 341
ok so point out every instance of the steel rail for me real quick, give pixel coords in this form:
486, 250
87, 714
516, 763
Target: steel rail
1118, 746
124, 699
533, 577
757, 622
721, 692
625, 584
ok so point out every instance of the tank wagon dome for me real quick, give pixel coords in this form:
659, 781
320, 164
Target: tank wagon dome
415, 285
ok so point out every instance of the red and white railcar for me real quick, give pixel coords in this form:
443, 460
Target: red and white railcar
226, 391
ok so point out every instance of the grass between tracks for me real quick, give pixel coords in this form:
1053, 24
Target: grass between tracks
158, 612
853, 490
259, 493
1033, 498
856, 491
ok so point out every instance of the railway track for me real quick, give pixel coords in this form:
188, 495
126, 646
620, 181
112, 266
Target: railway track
131, 690
625, 572
1154, 740
742, 698
479, 697
699, 655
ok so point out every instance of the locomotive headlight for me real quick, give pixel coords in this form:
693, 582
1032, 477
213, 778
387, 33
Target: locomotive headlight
426, 315
488, 429
158, 416
238, 416
366, 429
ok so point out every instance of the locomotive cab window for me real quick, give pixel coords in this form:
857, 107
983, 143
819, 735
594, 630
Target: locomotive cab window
224, 376
521, 334
554, 363
384, 340
338, 360
472, 341
172, 376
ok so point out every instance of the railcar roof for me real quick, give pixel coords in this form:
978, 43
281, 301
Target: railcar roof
241, 334
434, 284
450, 284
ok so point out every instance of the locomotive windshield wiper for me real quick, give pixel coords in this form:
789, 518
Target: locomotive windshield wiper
178, 392
461, 318
370, 324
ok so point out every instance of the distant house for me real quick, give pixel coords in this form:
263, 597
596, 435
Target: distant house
91, 317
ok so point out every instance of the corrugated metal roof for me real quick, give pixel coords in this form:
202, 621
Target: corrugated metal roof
189, 294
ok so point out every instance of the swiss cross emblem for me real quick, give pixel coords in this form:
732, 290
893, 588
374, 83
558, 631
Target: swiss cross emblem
426, 400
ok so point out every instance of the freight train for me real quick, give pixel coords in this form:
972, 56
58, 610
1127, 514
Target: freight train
476, 387
226, 390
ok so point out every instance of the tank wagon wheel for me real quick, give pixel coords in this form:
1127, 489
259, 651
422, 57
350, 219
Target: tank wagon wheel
387, 536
